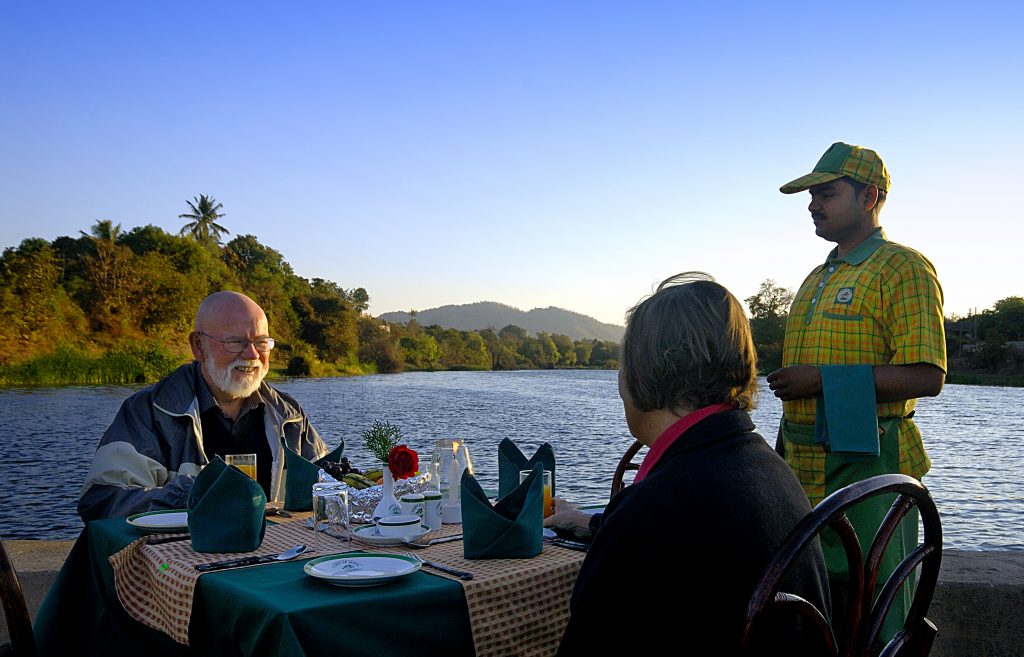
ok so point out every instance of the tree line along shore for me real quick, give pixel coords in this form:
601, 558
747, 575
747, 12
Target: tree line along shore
110, 306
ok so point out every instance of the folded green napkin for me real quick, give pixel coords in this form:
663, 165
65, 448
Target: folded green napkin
511, 460
512, 528
226, 510
300, 475
846, 418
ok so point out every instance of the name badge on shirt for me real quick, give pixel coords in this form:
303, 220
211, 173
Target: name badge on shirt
845, 296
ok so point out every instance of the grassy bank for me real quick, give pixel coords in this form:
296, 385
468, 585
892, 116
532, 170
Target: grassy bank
986, 379
146, 363
976, 379
75, 366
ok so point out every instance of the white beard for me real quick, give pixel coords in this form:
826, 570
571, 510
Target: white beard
235, 383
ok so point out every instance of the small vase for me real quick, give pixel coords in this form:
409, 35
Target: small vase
388, 505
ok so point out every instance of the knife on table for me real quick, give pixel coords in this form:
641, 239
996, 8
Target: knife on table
168, 539
569, 545
251, 561
232, 563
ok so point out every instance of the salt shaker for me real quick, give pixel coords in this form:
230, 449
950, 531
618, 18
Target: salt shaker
412, 504
432, 509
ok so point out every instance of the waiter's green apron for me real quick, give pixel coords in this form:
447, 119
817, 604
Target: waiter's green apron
866, 516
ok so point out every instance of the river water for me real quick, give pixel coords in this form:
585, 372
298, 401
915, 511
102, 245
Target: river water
976, 449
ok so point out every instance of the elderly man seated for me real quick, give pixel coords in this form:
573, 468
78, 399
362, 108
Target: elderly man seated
217, 405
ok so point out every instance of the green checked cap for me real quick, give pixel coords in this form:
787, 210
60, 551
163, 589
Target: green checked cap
843, 160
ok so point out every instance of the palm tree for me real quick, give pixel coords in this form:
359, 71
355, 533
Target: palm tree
204, 216
103, 230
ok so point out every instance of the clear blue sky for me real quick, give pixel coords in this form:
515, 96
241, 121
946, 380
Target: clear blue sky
533, 153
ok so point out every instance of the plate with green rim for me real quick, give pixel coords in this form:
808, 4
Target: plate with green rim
171, 520
356, 569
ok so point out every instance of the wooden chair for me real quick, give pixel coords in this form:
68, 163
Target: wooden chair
863, 618
625, 463
19, 624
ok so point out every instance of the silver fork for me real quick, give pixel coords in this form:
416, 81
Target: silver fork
461, 574
434, 541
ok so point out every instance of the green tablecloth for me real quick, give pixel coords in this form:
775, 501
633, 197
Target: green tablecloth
273, 609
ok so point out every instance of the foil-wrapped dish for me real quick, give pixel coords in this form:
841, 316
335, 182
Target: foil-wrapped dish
362, 501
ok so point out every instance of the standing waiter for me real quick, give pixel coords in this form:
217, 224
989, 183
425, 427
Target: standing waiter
864, 340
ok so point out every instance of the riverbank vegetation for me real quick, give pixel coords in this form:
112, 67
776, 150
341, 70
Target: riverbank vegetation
116, 306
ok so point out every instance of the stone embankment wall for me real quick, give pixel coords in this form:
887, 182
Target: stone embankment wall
978, 606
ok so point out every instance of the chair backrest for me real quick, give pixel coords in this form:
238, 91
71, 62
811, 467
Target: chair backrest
19, 624
864, 616
625, 463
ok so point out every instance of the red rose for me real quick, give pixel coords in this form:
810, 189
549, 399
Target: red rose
403, 462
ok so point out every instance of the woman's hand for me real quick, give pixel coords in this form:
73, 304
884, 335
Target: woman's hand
566, 516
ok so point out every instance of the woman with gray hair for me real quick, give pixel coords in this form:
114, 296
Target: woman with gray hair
678, 553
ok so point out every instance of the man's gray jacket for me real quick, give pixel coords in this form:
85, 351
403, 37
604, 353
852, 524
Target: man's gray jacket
149, 456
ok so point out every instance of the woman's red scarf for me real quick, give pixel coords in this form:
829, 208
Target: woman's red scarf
669, 436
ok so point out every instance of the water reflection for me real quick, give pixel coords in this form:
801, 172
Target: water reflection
977, 451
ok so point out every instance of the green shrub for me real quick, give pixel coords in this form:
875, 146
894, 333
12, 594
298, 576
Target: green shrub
73, 365
299, 366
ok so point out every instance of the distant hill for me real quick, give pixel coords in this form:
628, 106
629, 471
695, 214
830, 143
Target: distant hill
488, 314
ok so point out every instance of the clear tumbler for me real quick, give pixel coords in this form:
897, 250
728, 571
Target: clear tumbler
331, 518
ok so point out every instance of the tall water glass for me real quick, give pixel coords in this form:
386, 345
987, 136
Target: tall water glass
331, 527
449, 460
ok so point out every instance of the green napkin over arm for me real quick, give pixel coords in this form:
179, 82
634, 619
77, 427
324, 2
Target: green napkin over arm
512, 528
846, 417
226, 510
300, 475
511, 460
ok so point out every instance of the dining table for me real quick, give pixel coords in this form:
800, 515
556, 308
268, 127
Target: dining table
123, 591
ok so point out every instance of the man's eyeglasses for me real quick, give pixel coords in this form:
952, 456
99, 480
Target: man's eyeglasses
238, 345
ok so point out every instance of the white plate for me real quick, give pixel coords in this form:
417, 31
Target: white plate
365, 534
175, 520
361, 568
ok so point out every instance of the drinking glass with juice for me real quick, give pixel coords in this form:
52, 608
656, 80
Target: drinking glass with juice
549, 506
244, 462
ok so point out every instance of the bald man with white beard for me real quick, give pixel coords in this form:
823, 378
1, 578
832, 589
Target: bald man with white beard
217, 405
